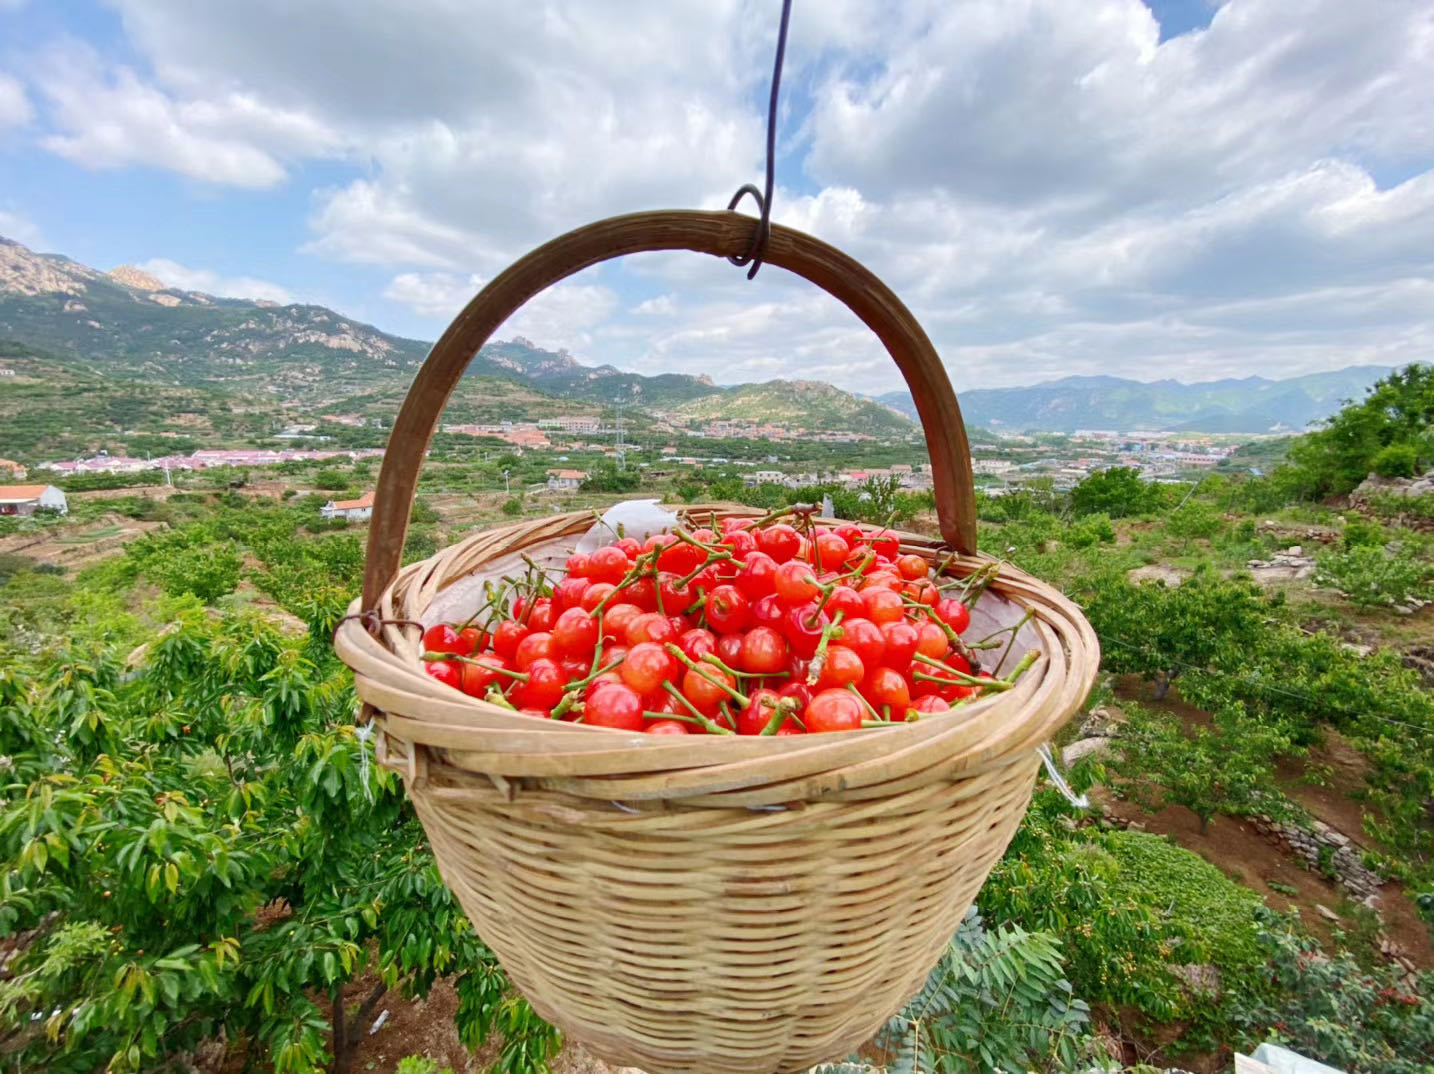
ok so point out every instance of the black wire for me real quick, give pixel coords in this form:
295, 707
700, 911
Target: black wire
758, 249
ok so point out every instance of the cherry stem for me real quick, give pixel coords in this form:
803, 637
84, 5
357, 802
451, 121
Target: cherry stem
587, 680
712, 557
860, 569
639, 569
692, 665
782, 709
819, 658
718, 663
707, 725
648, 714
495, 697
770, 516
454, 658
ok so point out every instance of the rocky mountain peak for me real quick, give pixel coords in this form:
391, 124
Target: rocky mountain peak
136, 278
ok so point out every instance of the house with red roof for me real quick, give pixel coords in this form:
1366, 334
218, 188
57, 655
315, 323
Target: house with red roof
353, 510
27, 499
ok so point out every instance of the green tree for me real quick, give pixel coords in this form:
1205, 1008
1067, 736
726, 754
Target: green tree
204, 843
1221, 769
1392, 425
1116, 492
608, 478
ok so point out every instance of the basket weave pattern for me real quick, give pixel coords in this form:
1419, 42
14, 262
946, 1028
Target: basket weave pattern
695, 904
699, 904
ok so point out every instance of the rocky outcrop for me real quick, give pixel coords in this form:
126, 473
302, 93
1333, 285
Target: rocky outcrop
136, 278
1291, 565
1374, 485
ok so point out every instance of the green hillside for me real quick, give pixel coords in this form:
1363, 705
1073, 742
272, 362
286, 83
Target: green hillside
52, 409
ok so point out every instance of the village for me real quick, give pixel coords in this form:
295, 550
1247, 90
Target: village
1000, 466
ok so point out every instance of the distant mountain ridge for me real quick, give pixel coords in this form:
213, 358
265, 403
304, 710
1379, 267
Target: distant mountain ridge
126, 323
1232, 405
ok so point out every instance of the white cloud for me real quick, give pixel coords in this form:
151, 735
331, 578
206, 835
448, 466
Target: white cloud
173, 274
111, 117
15, 108
566, 315
20, 228
433, 294
1048, 185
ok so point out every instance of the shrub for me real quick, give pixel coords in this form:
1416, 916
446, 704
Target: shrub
1396, 460
1329, 1008
997, 1001
1116, 943
513, 507
1371, 575
209, 571
1212, 913
1090, 530
1116, 492
1194, 519
1206, 771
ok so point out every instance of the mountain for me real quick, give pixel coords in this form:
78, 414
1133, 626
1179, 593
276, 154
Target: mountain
50, 408
122, 323
1246, 405
127, 324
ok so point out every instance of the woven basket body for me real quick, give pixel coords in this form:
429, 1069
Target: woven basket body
692, 903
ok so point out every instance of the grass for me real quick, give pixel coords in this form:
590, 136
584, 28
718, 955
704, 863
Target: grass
92, 536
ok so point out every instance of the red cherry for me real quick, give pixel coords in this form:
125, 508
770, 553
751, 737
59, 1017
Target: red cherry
842, 668
696, 643
864, 638
728, 610
616, 706
954, 614
442, 638
779, 541
830, 551
833, 710
763, 651
882, 605
575, 633
758, 576
646, 667
901, 640
886, 686
534, 647
755, 716
445, 671
931, 641
666, 727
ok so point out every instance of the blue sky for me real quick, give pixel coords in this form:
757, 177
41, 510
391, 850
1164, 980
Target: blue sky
1055, 186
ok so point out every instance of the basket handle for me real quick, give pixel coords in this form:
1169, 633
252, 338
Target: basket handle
722, 234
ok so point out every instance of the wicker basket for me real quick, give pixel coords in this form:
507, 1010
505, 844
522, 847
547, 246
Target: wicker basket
705, 905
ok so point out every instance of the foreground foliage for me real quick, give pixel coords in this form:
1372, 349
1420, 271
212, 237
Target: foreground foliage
198, 842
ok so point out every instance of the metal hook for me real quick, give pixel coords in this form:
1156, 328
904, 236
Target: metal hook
758, 249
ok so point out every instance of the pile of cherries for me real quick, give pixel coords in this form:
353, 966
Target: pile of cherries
752, 628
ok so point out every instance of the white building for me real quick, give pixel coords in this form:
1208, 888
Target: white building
991, 466
27, 499
353, 510
565, 480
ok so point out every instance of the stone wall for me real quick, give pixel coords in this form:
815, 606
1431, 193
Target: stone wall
1323, 849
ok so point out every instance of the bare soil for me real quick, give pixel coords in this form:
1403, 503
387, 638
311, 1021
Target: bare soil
69, 545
